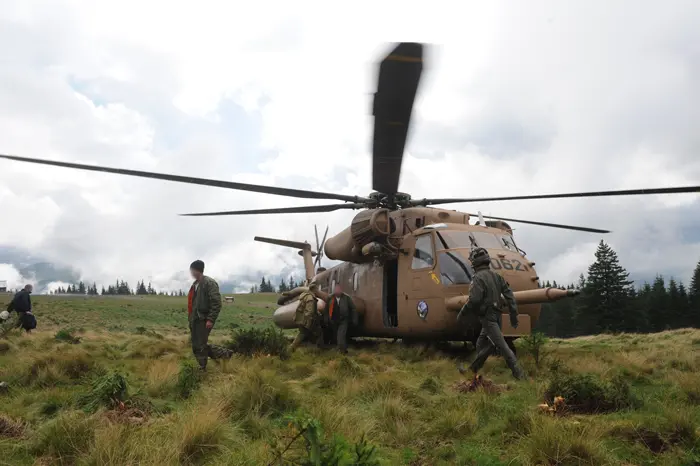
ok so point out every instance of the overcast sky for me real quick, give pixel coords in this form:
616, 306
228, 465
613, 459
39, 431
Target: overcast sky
517, 98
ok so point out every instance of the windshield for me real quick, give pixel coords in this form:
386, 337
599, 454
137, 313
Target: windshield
472, 239
455, 240
455, 269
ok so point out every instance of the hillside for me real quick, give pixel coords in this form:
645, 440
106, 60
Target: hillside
402, 399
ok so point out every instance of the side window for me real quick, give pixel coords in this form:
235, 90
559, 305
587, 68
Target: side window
355, 281
423, 255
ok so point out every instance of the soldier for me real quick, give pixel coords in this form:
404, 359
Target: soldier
203, 307
485, 292
341, 312
22, 304
308, 319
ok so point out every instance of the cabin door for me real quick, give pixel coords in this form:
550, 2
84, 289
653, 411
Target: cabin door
419, 290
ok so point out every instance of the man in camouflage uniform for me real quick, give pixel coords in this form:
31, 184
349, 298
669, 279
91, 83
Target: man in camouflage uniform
308, 319
203, 307
486, 290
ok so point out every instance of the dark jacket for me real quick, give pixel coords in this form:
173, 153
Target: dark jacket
206, 300
21, 302
485, 293
344, 310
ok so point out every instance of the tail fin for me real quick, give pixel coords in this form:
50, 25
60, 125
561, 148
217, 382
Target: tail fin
304, 251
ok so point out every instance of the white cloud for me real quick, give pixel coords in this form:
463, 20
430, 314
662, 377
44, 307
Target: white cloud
516, 99
14, 279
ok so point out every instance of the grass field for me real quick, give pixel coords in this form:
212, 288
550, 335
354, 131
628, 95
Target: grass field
402, 399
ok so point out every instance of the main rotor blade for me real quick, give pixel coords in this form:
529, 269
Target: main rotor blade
399, 75
282, 210
300, 193
543, 224
625, 192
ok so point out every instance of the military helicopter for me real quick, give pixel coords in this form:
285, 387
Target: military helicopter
403, 262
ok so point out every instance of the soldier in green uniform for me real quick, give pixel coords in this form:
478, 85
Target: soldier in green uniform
203, 308
486, 290
308, 319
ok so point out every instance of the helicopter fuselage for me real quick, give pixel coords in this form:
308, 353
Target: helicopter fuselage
417, 294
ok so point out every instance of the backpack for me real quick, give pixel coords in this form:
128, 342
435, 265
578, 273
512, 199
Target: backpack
28, 321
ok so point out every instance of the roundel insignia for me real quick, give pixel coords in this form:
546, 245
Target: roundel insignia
422, 309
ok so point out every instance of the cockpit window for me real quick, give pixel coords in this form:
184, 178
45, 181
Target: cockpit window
487, 240
454, 268
455, 240
473, 239
509, 243
423, 255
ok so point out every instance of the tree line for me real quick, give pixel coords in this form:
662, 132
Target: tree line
120, 288
609, 302
266, 286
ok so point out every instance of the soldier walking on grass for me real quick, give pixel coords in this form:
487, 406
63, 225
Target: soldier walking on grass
484, 295
22, 304
203, 308
308, 319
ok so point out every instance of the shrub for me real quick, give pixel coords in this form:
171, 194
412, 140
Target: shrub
252, 341
107, 390
306, 445
534, 346
585, 393
188, 379
66, 336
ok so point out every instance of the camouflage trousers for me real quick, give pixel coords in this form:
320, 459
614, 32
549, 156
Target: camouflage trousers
491, 338
305, 334
202, 350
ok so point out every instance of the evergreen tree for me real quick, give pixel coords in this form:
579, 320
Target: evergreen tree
658, 305
81, 288
674, 317
141, 288
291, 284
606, 304
103, 292
694, 298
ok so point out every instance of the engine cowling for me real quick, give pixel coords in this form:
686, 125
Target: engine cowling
366, 227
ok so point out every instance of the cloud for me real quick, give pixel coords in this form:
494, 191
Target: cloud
516, 99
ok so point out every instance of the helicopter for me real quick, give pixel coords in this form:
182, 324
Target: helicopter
404, 262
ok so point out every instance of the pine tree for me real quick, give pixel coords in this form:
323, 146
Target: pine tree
675, 317
141, 288
694, 298
658, 305
102, 292
606, 304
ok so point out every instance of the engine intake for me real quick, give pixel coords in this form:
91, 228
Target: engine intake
369, 225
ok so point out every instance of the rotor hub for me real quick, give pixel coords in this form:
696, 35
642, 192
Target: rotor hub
390, 201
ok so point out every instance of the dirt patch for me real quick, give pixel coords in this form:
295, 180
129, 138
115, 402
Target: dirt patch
122, 414
479, 383
11, 428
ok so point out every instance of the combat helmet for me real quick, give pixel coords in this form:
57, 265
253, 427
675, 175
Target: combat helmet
479, 257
